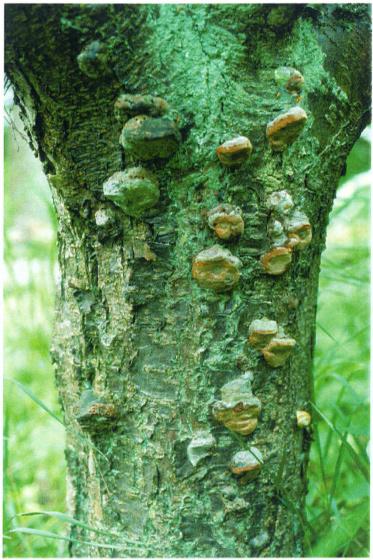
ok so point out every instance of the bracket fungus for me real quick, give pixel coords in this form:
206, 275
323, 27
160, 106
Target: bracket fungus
287, 227
200, 446
275, 346
147, 138
226, 221
234, 152
276, 233
277, 260
303, 419
261, 331
216, 268
280, 203
247, 463
284, 129
127, 104
134, 190
278, 350
289, 78
93, 60
94, 411
239, 408
299, 230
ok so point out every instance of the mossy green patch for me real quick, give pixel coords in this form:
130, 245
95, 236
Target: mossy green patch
134, 191
146, 138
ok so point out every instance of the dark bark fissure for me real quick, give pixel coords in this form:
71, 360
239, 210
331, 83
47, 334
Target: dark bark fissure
131, 322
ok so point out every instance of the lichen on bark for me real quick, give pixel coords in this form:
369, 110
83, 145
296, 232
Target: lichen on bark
131, 323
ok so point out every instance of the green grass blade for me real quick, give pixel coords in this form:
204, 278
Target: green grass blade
49, 535
337, 469
36, 400
72, 521
364, 469
342, 533
321, 460
345, 385
40, 403
323, 329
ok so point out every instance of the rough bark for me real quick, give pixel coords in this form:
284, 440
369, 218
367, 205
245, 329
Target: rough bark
141, 332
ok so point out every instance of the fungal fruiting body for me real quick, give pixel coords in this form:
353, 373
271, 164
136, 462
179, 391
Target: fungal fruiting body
276, 261
278, 350
287, 227
239, 408
261, 331
226, 221
299, 230
234, 152
102, 218
92, 61
284, 129
94, 411
280, 203
303, 419
275, 346
127, 104
134, 190
289, 78
147, 138
216, 268
276, 233
260, 540
247, 463
200, 446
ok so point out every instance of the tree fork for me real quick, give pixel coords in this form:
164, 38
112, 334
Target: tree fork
132, 325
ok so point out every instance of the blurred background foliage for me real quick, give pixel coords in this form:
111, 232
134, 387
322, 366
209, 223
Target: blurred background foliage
337, 511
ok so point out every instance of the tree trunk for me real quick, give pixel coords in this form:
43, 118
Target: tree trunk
132, 324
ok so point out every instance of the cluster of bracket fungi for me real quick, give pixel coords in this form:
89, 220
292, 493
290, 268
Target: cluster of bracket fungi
218, 269
148, 134
271, 341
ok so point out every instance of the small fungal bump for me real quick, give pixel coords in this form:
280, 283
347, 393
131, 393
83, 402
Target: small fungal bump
151, 105
216, 269
247, 463
239, 408
94, 411
134, 190
303, 419
278, 350
261, 331
226, 221
277, 260
276, 233
106, 222
289, 78
234, 152
103, 218
292, 302
299, 231
280, 203
200, 446
146, 138
260, 540
93, 60
284, 129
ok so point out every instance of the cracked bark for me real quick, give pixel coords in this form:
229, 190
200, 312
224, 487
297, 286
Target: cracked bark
141, 332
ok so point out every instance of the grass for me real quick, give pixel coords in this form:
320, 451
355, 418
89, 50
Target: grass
337, 509
338, 497
34, 466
